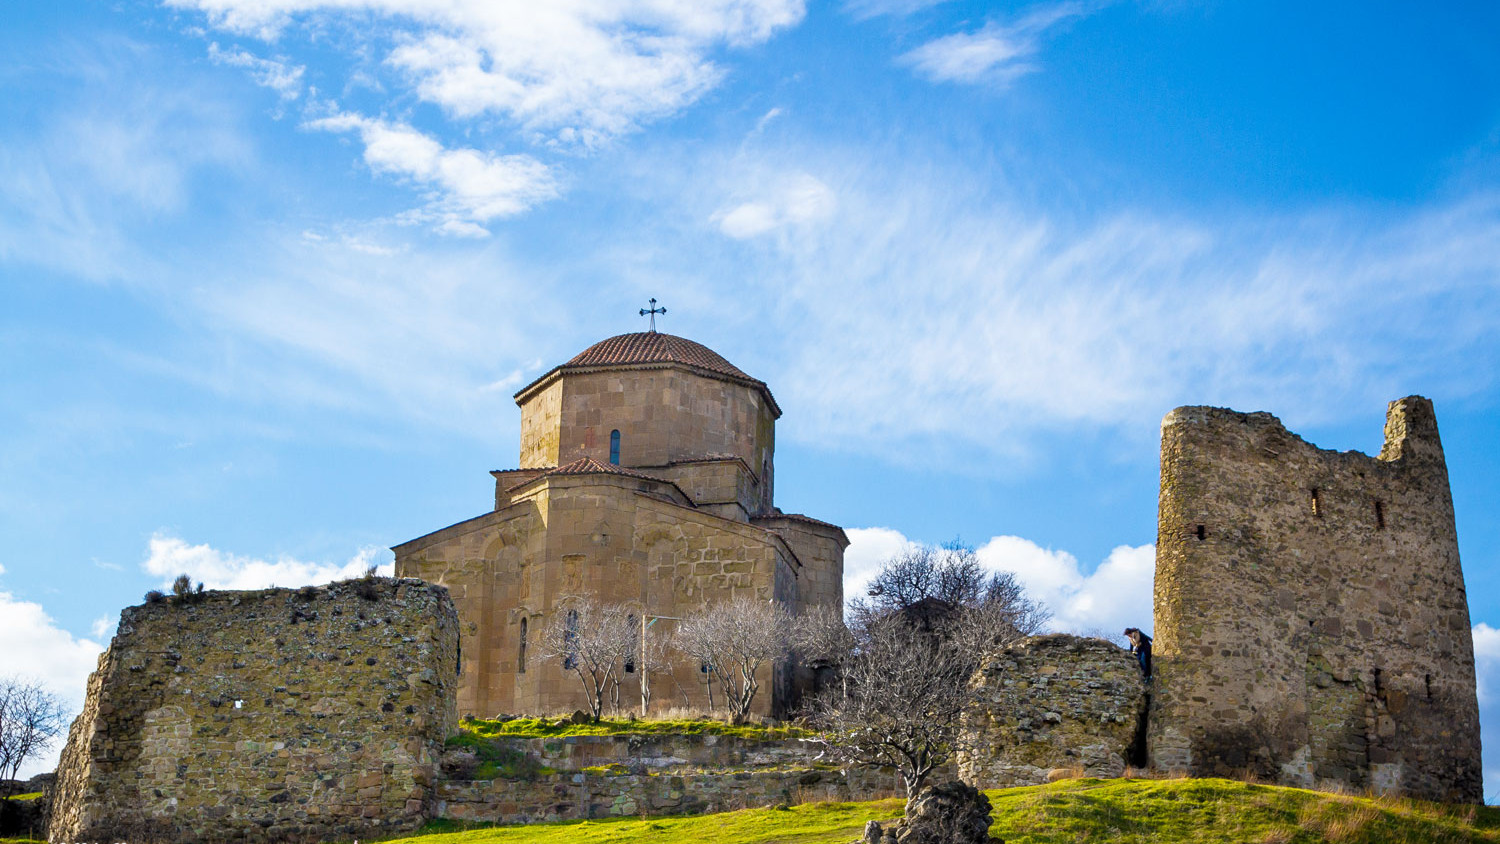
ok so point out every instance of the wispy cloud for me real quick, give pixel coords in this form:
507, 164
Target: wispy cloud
571, 74
277, 74
792, 199
935, 317
863, 9
996, 53
467, 187
169, 556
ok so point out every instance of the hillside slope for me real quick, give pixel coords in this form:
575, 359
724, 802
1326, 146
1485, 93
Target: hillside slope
1207, 811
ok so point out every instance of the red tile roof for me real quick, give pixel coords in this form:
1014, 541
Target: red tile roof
589, 466
651, 347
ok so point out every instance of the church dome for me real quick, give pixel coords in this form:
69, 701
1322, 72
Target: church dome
653, 347
650, 350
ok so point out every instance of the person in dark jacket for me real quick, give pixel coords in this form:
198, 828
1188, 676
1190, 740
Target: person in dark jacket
1140, 645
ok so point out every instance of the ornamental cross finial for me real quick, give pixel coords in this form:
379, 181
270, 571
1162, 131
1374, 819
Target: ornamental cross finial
653, 311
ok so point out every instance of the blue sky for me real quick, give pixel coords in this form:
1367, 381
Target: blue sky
270, 270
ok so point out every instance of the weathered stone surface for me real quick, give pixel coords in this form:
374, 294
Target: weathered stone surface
609, 776
1311, 621
270, 716
949, 813
1051, 702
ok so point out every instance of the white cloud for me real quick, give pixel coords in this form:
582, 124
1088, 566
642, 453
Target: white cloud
277, 74
583, 70
875, 8
868, 548
995, 53
1116, 595
1487, 675
37, 649
103, 627
467, 186
169, 557
794, 199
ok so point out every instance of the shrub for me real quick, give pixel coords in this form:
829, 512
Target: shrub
183, 591
155, 596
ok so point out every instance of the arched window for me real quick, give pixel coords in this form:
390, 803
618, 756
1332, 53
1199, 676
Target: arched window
614, 448
570, 642
521, 650
635, 631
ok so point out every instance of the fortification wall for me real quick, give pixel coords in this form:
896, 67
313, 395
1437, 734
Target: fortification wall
272, 716
1052, 702
1311, 620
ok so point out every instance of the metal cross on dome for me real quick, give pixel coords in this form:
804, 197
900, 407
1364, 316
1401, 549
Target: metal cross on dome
653, 311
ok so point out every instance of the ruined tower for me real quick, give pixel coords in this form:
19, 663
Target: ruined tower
1311, 620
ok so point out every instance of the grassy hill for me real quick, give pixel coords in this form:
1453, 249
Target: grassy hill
1070, 812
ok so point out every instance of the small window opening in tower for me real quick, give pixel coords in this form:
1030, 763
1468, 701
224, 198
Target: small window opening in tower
1202, 533
1428, 681
614, 448
521, 650
570, 642
1317, 503
1379, 515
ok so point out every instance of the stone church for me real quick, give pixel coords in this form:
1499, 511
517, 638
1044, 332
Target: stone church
646, 478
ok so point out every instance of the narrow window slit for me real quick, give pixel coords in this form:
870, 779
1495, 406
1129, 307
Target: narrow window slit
1202, 533
1317, 503
614, 448
521, 650
1379, 515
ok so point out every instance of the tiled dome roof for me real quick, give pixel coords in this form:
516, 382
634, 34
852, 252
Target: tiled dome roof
651, 347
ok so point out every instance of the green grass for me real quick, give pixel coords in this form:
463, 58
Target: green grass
812, 823
547, 728
1207, 811
1211, 811
31, 796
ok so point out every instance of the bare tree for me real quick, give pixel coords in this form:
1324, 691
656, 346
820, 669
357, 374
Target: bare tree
822, 640
733, 640
946, 589
30, 719
906, 689
593, 640
929, 619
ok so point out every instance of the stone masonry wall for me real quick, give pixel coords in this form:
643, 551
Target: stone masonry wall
1311, 620
272, 716
623, 775
1052, 702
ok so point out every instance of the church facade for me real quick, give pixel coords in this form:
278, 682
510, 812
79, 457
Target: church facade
646, 478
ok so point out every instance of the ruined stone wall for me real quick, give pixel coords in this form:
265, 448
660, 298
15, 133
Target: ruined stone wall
272, 716
625, 775
1311, 620
1052, 702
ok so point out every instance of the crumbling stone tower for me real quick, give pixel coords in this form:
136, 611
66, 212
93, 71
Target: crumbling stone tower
1311, 620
